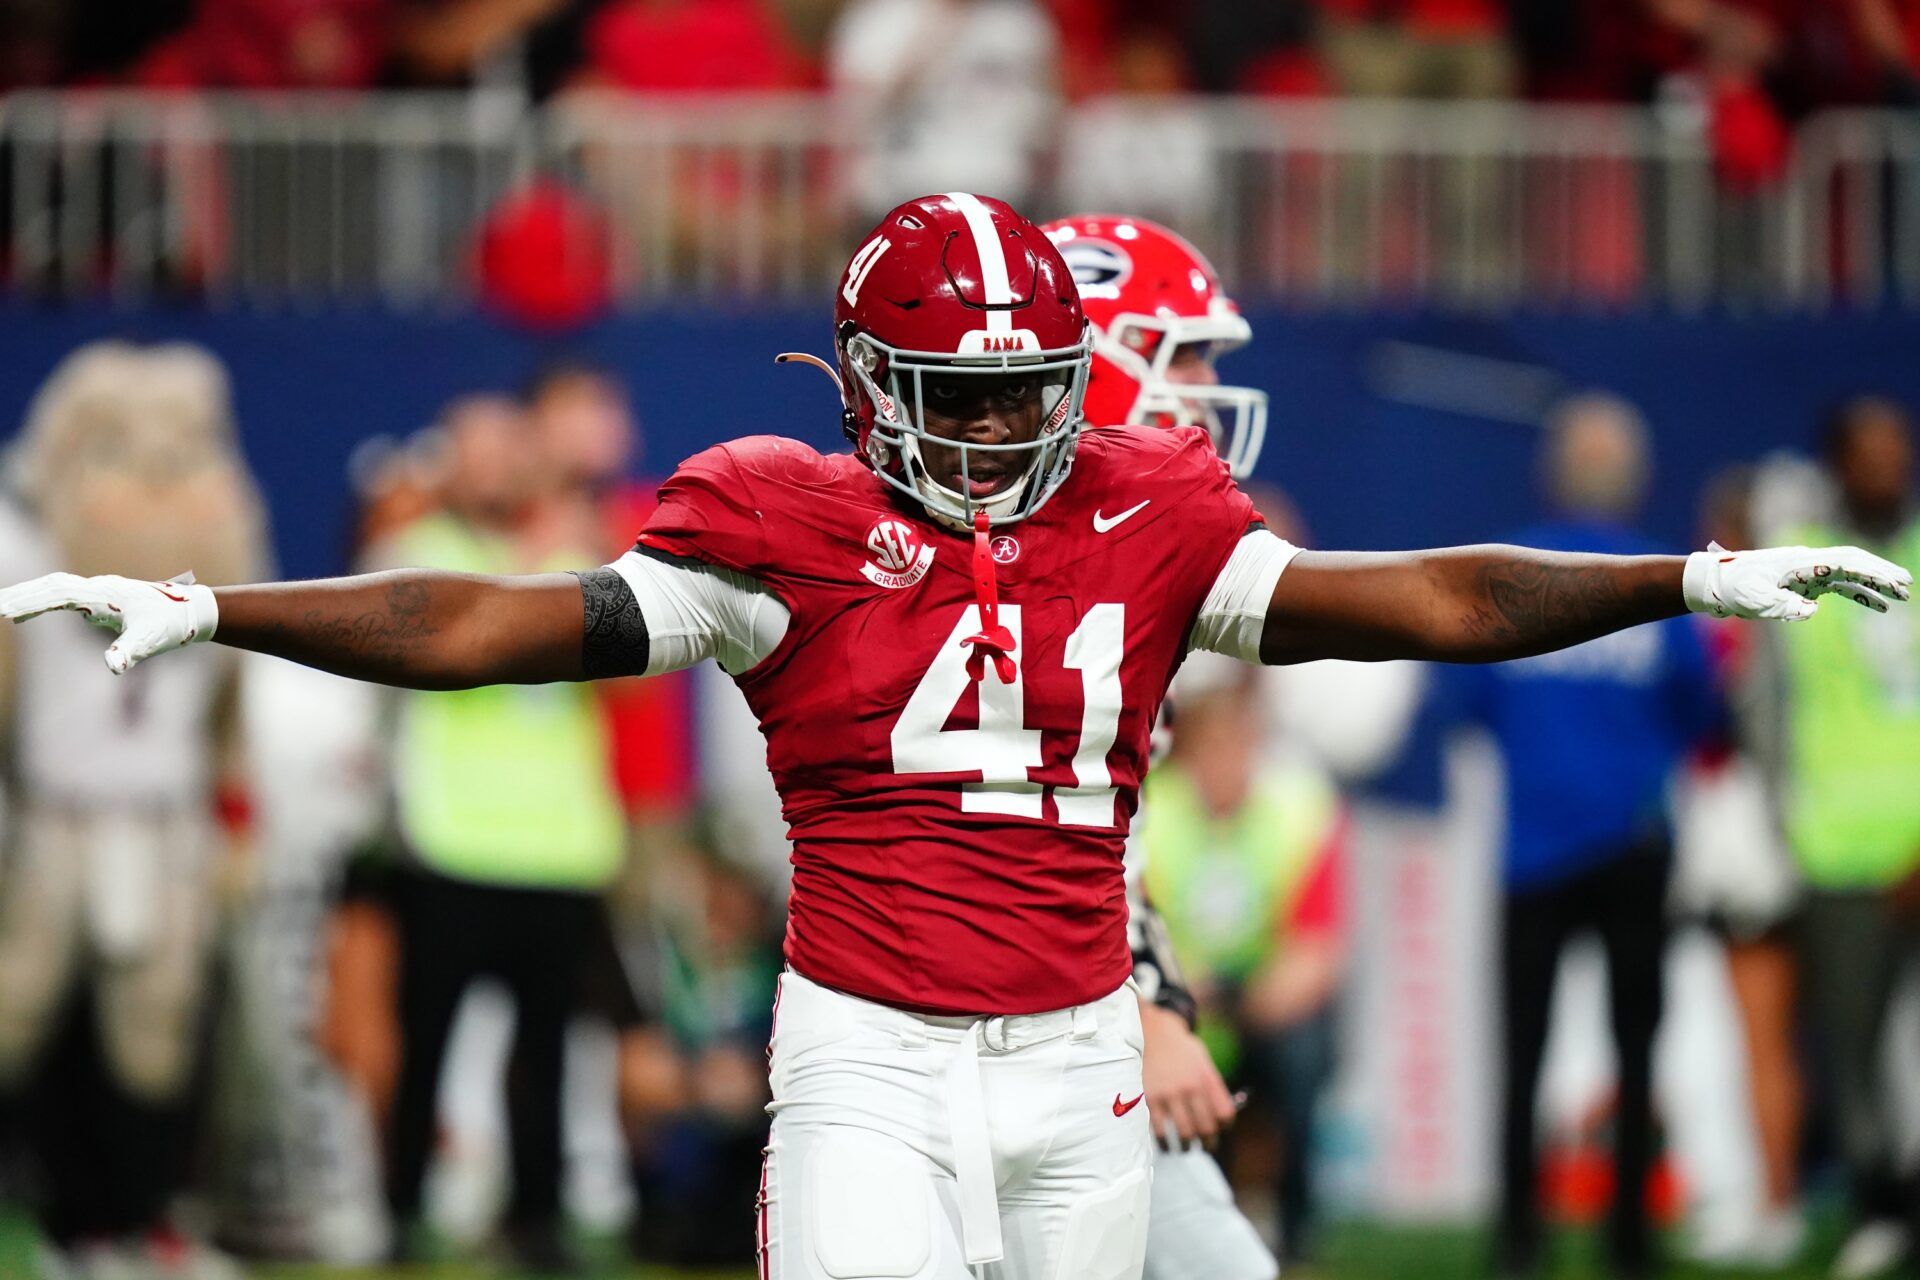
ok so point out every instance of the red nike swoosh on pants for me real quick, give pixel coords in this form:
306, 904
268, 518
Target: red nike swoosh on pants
1121, 1108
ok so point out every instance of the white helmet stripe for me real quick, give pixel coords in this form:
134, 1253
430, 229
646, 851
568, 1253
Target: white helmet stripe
993, 260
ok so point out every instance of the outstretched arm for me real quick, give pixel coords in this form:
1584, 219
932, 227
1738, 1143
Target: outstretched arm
412, 628
1491, 603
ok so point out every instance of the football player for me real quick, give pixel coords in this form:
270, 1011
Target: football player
955, 638
1159, 321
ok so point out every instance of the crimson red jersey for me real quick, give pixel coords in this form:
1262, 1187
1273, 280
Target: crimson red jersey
957, 845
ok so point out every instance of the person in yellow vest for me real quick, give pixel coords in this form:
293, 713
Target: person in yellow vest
505, 804
1850, 762
1244, 857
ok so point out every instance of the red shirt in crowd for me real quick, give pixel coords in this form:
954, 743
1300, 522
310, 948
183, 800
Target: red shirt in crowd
272, 44
1429, 17
693, 44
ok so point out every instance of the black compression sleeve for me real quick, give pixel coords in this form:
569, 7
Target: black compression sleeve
613, 636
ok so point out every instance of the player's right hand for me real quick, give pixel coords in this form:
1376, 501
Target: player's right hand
1186, 1098
149, 617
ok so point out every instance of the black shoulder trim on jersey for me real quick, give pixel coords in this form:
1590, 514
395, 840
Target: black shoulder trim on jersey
613, 634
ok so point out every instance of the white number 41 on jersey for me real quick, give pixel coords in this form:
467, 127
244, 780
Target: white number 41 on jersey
1002, 750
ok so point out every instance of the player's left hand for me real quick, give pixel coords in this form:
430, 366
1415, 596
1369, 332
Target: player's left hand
1785, 582
1187, 1100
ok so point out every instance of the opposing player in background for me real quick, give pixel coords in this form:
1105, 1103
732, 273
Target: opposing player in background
956, 1060
1160, 319
110, 896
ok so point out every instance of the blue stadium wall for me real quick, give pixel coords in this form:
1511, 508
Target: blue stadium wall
1389, 430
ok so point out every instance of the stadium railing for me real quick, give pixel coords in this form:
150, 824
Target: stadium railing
310, 199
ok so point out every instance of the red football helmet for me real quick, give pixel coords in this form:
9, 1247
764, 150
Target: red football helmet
1153, 299
951, 285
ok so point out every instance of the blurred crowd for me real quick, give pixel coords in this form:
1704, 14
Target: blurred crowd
1051, 104
292, 968
1784, 56
1809, 51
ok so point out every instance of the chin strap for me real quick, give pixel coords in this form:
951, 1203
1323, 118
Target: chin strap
801, 357
994, 639
849, 420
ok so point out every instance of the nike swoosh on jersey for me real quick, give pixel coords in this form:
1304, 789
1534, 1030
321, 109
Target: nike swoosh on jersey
1103, 523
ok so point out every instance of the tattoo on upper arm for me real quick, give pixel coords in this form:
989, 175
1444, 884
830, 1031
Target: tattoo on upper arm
613, 634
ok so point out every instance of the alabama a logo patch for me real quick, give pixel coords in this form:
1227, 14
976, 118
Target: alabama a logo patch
897, 556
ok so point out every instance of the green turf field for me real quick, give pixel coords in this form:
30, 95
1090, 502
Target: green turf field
1356, 1251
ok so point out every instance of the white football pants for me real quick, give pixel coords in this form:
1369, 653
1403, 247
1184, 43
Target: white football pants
920, 1148
1196, 1231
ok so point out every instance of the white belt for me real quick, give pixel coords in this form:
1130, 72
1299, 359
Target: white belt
975, 1188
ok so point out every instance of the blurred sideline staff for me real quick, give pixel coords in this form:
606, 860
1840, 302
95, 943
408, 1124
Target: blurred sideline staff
1850, 755
110, 898
584, 429
1589, 738
1733, 874
1243, 858
568, 489
511, 826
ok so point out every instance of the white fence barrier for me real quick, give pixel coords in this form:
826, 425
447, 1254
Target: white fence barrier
308, 199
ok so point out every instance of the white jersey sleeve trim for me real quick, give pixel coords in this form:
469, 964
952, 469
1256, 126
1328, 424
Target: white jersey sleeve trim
695, 610
1235, 611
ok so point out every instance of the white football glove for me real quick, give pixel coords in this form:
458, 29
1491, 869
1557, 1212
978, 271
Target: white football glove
1782, 582
149, 617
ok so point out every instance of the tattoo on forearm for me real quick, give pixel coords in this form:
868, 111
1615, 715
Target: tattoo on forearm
371, 639
408, 599
613, 633
1531, 604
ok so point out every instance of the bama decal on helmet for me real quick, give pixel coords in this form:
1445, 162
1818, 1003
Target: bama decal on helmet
897, 556
1098, 267
989, 342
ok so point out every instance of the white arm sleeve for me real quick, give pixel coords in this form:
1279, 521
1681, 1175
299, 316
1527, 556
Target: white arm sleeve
1235, 611
694, 610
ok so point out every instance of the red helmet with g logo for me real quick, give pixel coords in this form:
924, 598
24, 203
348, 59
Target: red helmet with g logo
1150, 295
953, 285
